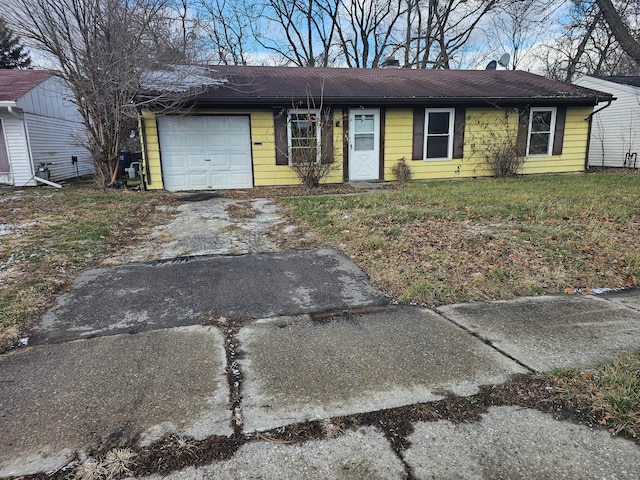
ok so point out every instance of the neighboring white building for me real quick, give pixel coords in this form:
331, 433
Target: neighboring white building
615, 131
39, 124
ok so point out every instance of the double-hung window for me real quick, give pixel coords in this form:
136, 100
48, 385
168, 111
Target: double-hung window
438, 138
542, 123
303, 133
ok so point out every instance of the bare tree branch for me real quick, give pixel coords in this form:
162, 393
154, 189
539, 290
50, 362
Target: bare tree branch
109, 52
621, 31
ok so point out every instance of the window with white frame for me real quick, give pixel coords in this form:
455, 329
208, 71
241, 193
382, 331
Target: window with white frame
438, 138
303, 132
542, 123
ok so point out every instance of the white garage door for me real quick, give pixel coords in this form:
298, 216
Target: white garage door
205, 152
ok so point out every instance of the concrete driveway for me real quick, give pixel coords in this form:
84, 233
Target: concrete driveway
207, 224
234, 341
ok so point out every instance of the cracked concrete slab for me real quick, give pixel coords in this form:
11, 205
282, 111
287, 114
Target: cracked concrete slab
141, 297
360, 454
100, 393
629, 298
511, 443
298, 368
554, 331
205, 227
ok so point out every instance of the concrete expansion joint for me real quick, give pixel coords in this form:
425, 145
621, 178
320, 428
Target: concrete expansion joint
229, 327
633, 307
486, 341
346, 313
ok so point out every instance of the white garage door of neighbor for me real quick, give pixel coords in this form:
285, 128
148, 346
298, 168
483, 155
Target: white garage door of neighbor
205, 152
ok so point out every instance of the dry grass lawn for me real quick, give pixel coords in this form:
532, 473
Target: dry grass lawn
48, 236
452, 241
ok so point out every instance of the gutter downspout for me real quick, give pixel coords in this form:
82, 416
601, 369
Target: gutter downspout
13, 113
590, 120
146, 176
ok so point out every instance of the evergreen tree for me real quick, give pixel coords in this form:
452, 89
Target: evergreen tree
12, 53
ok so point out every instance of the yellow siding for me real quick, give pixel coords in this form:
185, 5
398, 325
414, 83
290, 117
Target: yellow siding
265, 170
151, 151
574, 151
483, 126
338, 144
398, 137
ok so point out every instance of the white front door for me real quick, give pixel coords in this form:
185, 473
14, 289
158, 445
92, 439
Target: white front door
364, 144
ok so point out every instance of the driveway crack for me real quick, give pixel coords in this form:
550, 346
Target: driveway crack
229, 326
486, 342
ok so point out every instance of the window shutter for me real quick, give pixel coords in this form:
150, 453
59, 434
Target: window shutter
281, 141
327, 138
418, 134
523, 130
458, 132
558, 136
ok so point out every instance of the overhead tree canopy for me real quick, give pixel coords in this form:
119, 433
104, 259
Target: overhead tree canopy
12, 53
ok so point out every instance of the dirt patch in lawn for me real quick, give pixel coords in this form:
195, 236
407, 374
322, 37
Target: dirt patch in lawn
241, 210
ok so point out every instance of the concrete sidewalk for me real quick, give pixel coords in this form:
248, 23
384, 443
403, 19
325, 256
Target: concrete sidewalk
101, 372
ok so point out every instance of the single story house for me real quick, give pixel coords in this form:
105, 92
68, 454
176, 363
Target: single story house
615, 133
39, 125
246, 130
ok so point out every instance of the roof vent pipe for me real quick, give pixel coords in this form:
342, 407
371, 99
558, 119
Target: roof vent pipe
391, 62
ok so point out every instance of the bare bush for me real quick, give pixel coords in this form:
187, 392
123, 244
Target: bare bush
309, 142
402, 171
497, 143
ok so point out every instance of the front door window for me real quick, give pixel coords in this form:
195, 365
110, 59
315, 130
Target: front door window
364, 132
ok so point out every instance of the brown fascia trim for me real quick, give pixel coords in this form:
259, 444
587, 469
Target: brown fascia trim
398, 102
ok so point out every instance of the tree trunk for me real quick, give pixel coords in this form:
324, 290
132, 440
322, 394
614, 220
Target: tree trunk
573, 62
624, 37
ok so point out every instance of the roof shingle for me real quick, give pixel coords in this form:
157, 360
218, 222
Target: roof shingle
274, 85
16, 83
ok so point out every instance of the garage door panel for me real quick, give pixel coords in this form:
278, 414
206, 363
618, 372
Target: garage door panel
216, 141
238, 162
178, 181
205, 152
235, 122
236, 141
220, 161
198, 162
240, 178
174, 162
221, 178
198, 181
178, 140
193, 140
